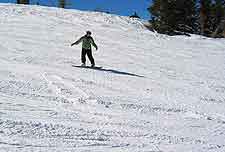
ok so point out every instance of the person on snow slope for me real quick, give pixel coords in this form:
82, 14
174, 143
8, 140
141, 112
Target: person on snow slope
87, 42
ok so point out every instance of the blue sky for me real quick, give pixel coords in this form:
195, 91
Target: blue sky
121, 7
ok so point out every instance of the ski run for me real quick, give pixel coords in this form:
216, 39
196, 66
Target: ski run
154, 93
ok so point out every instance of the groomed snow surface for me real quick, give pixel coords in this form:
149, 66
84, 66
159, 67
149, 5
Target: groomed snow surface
155, 93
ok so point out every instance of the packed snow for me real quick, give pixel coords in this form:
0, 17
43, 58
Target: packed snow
155, 93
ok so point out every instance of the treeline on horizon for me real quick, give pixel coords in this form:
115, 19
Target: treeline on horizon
61, 3
182, 17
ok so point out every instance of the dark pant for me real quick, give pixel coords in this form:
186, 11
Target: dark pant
89, 54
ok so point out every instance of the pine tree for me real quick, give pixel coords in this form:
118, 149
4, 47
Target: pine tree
186, 16
205, 16
62, 3
23, 2
212, 16
160, 16
135, 15
170, 16
181, 16
218, 17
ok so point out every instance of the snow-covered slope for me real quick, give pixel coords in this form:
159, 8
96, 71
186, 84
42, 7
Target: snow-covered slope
155, 93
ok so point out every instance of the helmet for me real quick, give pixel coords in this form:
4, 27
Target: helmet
88, 32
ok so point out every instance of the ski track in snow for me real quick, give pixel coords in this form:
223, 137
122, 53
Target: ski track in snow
155, 93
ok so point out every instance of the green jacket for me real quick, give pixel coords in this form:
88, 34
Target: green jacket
87, 41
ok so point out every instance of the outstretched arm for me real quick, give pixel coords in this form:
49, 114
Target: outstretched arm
93, 43
77, 42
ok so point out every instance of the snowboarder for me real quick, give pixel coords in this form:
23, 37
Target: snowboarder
87, 41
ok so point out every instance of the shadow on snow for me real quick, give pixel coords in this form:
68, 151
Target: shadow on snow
111, 70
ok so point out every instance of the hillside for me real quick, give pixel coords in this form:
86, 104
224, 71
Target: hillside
154, 93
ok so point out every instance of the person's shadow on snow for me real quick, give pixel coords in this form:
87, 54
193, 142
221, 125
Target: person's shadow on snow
112, 71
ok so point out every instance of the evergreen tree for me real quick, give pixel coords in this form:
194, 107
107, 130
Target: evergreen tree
218, 17
212, 16
205, 16
22, 1
217, 12
186, 15
175, 16
170, 16
160, 16
62, 3
135, 15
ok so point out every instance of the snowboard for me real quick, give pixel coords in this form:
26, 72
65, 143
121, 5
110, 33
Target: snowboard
87, 67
